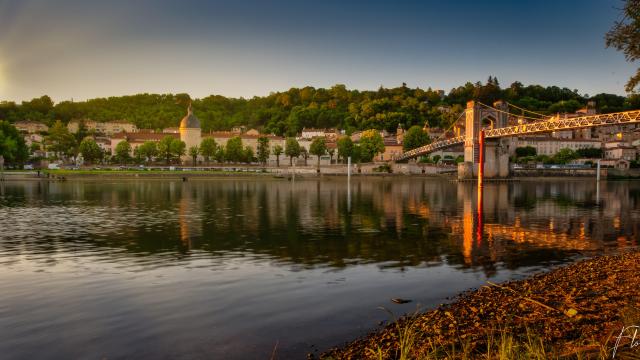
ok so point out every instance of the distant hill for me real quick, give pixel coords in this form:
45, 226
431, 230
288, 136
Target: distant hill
288, 112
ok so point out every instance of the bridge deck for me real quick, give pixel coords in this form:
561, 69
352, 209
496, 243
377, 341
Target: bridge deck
619, 118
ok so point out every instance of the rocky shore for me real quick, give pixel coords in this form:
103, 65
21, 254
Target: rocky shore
584, 310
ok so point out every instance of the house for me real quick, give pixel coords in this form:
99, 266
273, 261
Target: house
171, 130
106, 128
550, 146
619, 150
31, 127
392, 149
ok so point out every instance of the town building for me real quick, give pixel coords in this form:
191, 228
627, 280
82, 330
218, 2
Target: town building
31, 127
550, 146
107, 128
190, 132
619, 150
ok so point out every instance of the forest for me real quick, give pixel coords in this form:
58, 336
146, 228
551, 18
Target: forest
286, 113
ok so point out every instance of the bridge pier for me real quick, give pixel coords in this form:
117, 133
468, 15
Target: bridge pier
496, 163
496, 156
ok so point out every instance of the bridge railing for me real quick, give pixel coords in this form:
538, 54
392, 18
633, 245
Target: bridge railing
434, 146
620, 118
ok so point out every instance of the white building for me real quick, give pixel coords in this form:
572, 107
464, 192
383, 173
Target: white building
550, 146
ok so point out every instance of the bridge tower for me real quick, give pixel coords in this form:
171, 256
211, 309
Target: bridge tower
479, 117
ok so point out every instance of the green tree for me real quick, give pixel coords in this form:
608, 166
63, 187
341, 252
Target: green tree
148, 150
436, 159
331, 152
61, 142
12, 146
305, 154
592, 153
90, 150
292, 149
263, 149
564, 156
623, 36
233, 150
345, 147
414, 138
526, 151
170, 147
277, 151
193, 152
208, 148
220, 154
34, 147
371, 144
178, 148
318, 148
123, 151
248, 154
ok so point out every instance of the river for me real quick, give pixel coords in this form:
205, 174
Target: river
241, 268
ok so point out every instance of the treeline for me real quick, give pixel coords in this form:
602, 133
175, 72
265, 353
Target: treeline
286, 113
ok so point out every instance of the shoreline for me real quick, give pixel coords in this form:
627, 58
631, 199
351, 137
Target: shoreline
577, 310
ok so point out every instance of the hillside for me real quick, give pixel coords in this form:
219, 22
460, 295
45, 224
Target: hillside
288, 112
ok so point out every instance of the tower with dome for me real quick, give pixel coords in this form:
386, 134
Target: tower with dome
190, 131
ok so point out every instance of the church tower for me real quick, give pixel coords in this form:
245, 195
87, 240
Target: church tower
190, 131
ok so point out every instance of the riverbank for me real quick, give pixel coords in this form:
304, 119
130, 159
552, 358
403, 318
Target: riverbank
194, 173
574, 311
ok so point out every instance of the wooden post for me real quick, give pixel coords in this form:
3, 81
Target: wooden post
481, 158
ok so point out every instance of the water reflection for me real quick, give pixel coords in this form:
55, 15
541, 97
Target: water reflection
393, 222
251, 252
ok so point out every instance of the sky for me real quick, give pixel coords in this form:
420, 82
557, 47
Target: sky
74, 49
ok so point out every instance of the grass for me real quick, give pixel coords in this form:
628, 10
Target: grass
62, 172
501, 344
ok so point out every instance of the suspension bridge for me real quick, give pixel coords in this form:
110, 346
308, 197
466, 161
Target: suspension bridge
491, 123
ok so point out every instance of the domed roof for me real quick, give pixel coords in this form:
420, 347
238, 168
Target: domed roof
190, 121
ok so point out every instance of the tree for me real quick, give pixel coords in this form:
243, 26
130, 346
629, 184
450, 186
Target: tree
208, 149
526, 151
123, 151
60, 140
148, 150
593, 153
305, 154
331, 152
178, 148
170, 147
436, 159
219, 154
90, 150
345, 147
371, 144
564, 156
248, 154
233, 151
277, 151
193, 152
318, 148
263, 149
12, 146
623, 36
414, 138
292, 149
34, 147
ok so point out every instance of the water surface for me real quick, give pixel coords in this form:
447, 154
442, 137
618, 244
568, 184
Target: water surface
233, 268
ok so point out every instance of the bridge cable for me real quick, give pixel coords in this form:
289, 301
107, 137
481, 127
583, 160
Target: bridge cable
451, 126
529, 111
508, 113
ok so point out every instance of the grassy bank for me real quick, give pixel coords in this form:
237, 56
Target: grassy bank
577, 312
